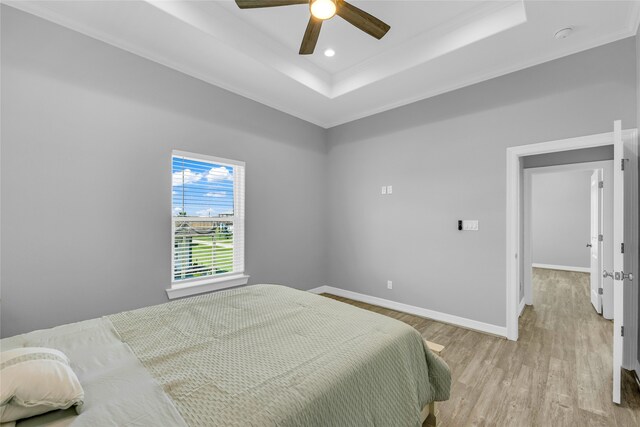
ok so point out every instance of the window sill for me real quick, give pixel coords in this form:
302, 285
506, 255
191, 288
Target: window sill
206, 285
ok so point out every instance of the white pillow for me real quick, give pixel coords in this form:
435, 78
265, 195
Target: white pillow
35, 380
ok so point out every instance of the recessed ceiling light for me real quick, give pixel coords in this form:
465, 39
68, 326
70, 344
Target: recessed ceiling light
563, 33
329, 52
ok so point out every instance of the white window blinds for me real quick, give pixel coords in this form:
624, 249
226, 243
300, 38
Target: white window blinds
207, 217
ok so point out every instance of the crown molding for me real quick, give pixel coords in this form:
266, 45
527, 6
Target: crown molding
481, 77
137, 50
322, 103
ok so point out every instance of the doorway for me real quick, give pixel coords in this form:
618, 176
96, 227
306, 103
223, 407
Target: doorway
625, 237
568, 212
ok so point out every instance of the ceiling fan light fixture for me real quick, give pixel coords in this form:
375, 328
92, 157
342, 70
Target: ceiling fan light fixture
323, 9
320, 11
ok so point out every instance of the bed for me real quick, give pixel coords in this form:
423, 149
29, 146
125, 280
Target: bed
259, 355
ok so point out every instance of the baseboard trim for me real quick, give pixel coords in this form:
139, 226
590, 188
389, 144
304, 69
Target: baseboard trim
521, 307
463, 322
319, 290
562, 267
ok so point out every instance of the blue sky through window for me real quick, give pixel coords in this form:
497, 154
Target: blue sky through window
201, 188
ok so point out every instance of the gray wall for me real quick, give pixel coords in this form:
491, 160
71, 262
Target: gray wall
560, 218
445, 158
87, 134
87, 131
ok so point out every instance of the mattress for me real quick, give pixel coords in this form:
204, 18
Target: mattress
119, 391
258, 355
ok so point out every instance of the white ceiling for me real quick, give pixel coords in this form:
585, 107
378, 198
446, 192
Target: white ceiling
432, 47
287, 25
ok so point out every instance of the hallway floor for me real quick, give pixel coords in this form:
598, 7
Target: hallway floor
557, 374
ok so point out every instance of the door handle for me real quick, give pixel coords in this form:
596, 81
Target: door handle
622, 275
606, 274
589, 245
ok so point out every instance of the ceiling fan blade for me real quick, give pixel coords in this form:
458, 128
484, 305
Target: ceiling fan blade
310, 36
252, 4
361, 19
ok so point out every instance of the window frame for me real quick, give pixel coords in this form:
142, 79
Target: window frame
186, 287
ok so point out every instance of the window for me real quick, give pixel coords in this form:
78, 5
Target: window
207, 232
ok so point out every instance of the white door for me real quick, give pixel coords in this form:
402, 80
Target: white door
595, 242
620, 273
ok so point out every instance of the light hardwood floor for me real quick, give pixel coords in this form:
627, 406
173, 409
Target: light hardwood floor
557, 374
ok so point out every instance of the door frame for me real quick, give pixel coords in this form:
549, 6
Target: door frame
605, 165
514, 229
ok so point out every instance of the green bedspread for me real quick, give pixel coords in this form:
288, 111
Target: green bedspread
271, 355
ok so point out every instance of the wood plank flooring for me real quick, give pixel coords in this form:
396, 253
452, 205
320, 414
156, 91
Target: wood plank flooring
557, 374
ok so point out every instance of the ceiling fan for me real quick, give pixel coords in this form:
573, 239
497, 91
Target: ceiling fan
321, 10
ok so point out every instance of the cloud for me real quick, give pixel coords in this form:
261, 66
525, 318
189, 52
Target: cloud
189, 177
217, 194
219, 174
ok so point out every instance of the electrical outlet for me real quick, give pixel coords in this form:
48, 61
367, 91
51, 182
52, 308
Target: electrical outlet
389, 284
384, 190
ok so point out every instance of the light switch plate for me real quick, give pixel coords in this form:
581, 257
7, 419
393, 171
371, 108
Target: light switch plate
384, 190
470, 225
389, 189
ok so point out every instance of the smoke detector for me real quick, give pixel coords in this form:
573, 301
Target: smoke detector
563, 33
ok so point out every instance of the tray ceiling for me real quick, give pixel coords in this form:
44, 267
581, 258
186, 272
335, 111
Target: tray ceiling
432, 47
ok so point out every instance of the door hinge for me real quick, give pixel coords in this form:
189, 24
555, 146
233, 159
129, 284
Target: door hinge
600, 291
621, 331
621, 248
622, 164
600, 237
601, 184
